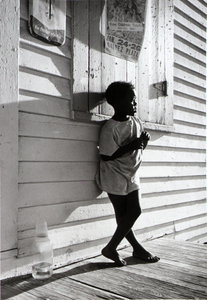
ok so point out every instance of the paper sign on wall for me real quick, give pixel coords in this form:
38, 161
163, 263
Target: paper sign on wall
125, 28
47, 20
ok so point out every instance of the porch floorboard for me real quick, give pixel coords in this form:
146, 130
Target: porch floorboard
180, 274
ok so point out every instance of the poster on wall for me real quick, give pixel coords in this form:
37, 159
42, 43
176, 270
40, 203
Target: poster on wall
125, 28
47, 20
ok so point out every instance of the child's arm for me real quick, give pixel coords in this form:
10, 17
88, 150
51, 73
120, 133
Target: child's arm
138, 143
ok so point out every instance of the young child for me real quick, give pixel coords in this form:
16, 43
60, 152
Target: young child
122, 141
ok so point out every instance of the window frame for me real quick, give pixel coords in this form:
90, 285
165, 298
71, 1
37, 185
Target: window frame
90, 73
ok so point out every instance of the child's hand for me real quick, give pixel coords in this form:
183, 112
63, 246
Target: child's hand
138, 143
145, 136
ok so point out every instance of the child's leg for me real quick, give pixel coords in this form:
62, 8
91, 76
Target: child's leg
120, 210
138, 250
122, 205
127, 210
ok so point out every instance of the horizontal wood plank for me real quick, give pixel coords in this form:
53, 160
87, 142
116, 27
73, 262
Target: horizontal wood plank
161, 185
188, 35
69, 235
183, 59
176, 154
184, 128
8, 254
194, 9
171, 214
39, 149
200, 5
171, 170
190, 75
44, 104
50, 127
59, 214
184, 19
189, 49
163, 140
54, 172
193, 103
57, 192
189, 116
33, 172
193, 222
189, 88
163, 199
43, 61
45, 84
191, 233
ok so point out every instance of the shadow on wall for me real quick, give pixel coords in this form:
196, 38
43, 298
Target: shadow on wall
57, 161
87, 101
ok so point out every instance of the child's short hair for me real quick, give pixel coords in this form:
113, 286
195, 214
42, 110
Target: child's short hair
117, 91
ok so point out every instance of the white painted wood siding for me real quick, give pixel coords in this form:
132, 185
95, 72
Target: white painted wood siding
173, 174
190, 112
58, 156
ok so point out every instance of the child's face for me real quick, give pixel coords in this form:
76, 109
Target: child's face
129, 104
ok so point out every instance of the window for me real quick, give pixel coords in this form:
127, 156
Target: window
94, 70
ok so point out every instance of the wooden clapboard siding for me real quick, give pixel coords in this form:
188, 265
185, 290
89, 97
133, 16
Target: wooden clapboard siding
57, 153
36, 149
173, 174
190, 107
58, 156
173, 154
71, 234
45, 72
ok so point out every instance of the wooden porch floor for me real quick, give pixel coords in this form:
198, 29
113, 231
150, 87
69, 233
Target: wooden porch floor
180, 274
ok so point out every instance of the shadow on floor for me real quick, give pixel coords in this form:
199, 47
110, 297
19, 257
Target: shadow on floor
15, 286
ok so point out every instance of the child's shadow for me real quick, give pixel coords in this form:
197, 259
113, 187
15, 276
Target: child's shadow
95, 266
30, 283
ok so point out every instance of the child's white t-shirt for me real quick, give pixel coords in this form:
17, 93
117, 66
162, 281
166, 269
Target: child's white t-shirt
119, 176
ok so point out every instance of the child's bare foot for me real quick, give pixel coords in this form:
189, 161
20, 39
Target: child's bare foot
113, 255
142, 254
147, 257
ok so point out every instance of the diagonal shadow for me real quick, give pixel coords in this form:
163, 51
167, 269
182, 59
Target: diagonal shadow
21, 284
